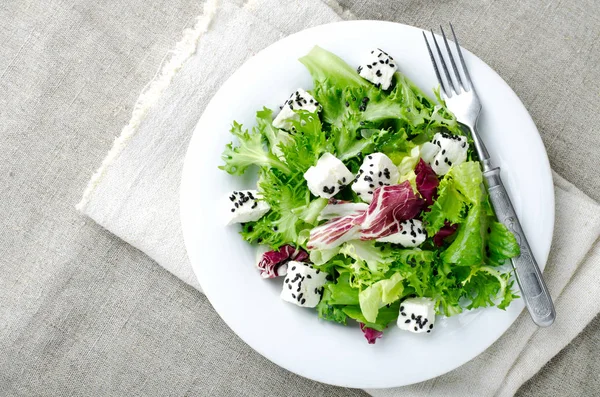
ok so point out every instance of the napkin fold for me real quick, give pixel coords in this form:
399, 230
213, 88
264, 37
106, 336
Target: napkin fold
135, 192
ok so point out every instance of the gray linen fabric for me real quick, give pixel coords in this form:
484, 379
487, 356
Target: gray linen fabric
82, 313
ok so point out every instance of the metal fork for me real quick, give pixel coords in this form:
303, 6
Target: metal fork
462, 100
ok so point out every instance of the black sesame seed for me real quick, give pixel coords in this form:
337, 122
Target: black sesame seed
303, 300
370, 192
449, 162
237, 205
370, 67
407, 322
404, 232
290, 286
380, 183
294, 268
371, 185
402, 313
414, 241
300, 296
430, 326
444, 151
275, 228
233, 210
378, 73
437, 162
412, 316
293, 296
391, 64
428, 331
401, 308
255, 205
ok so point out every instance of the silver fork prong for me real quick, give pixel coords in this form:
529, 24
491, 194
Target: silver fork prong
462, 61
454, 68
435, 68
450, 83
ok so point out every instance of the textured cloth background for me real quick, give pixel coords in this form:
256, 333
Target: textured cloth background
83, 313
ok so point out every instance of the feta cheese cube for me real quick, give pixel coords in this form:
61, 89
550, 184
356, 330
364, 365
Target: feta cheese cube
328, 176
299, 100
428, 151
378, 67
245, 206
376, 170
452, 151
411, 234
303, 284
417, 315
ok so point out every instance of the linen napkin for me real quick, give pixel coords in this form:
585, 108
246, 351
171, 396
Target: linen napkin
134, 194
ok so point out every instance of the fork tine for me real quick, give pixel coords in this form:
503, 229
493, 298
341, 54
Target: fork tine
450, 83
456, 72
435, 68
462, 61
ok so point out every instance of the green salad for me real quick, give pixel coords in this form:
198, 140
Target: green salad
369, 204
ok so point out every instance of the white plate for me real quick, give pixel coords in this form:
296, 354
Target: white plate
295, 338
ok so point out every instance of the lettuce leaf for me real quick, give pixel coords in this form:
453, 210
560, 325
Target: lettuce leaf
250, 151
380, 294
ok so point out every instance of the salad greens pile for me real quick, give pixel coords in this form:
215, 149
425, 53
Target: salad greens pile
459, 266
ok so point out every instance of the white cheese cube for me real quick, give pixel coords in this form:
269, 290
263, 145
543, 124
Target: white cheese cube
452, 151
412, 234
417, 315
299, 100
303, 285
328, 176
378, 67
245, 206
376, 170
428, 151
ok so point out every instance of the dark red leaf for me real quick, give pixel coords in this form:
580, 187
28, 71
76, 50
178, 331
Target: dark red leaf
445, 231
370, 334
390, 206
427, 181
274, 263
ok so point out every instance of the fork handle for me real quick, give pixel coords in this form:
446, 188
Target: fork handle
528, 274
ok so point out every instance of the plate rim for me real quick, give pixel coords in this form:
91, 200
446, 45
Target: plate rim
186, 178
